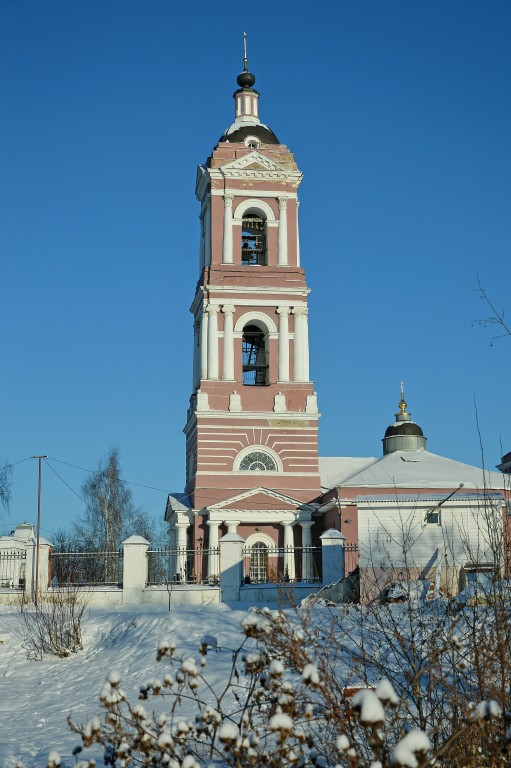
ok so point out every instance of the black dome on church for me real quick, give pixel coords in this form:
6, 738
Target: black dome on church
261, 132
404, 428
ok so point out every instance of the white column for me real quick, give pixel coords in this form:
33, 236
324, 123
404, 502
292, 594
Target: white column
232, 525
228, 310
283, 313
204, 346
297, 236
305, 322
196, 353
298, 357
213, 341
202, 240
181, 551
307, 560
213, 560
282, 239
227, 245
207, 232
289, 551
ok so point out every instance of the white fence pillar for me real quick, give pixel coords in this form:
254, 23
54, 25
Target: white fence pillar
231, 566
30, 566
332, 555
134, 569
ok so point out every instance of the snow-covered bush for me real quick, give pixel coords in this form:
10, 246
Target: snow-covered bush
300, 692
54, 625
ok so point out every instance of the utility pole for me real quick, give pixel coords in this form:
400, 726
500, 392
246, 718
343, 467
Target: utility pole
36, 596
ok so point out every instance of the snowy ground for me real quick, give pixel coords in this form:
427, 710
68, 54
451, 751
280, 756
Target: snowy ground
36, 697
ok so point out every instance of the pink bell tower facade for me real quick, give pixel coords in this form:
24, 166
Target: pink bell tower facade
252, 425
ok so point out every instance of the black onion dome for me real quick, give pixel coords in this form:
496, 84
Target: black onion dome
245, 79
404, 428
261, 132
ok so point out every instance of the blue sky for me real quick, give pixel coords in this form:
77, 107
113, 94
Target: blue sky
399, 116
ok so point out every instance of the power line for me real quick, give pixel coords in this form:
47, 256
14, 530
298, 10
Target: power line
129, 482
15, 463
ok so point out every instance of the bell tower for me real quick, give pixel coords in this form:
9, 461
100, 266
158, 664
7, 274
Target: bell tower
253, 416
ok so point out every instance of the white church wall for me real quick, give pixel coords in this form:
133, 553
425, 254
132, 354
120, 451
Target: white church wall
400, 539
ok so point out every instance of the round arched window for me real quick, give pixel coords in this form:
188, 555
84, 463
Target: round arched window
257, 461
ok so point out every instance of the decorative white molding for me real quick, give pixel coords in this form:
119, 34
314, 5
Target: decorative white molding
311, 403
202, 401
251, 193
241, 163
253, 205
279, 403
235, 402
261, 449
260, 489
255, 317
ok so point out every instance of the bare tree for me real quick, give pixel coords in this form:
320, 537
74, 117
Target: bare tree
110, 515
495, 318
5, 485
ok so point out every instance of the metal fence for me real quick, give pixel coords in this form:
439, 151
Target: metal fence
350, 558
181, 565
267, 565
86, 569
13, 569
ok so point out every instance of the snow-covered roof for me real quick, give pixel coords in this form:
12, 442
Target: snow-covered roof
406, 469
427, 497
336, 470
179, 502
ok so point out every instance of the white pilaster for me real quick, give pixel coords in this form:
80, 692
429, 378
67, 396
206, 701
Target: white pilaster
212, 310
228, 310
298, 357
297, 236
196, 353
207, 232
307, 561
213, 559
202, 240
204, 346
282, 238
306, 344
289, 551
227, 243
283, 313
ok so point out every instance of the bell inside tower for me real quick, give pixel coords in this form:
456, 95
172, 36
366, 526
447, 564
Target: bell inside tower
255, 368
253, 241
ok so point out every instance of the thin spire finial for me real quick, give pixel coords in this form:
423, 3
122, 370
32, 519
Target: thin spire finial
402, 402
245, 60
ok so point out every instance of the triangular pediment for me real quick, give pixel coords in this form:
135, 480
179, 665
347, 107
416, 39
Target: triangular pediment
252, 160
259, 499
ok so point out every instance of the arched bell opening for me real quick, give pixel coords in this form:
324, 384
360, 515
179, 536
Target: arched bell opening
254, 356
253, 241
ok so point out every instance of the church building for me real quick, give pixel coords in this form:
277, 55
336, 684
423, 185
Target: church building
252, 464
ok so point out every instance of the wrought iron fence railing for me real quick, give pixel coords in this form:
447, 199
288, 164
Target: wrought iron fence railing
181, 565
266, 565
86, 569
13, 569
350, 558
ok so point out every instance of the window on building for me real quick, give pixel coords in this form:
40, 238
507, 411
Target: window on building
253, 241
259, 563
433, 517
257, 461
255, 367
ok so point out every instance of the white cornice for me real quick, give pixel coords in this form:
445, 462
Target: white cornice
258, 415
252, 193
